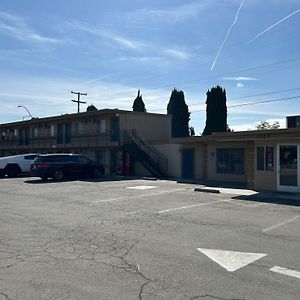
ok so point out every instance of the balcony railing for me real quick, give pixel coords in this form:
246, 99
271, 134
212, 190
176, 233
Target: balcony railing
131, 136
76, 140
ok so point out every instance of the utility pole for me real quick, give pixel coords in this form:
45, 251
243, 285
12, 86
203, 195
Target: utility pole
78, 99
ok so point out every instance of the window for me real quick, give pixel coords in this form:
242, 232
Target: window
52, 132
101, 126
24, 136
100, 156
260, 158
230, 161
64, 133
80, 127
83, 159
35, 132
265, 158
30, 157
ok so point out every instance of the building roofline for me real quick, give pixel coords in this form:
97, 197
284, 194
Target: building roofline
82, 114
242, 136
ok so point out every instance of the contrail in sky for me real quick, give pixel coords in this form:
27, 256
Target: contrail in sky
227, 34
269, 28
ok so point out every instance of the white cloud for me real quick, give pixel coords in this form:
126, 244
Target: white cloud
106, 34
17, 28
169, 14
51, 96
175, 53
240, 78
239, 85
125, 42
140, 59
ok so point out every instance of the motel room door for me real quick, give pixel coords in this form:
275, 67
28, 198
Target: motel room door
187, 161
288, 179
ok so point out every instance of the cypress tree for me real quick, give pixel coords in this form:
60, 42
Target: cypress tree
138, 103
216, 111
180, 112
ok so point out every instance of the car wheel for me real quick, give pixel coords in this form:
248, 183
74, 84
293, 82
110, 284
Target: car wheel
97, 173
44, 178
12, 172
2, 174
58, 175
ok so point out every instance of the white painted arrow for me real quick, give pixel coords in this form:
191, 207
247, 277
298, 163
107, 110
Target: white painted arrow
285, 271
231, 260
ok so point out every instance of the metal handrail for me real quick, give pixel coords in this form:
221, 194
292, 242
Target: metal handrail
132, 137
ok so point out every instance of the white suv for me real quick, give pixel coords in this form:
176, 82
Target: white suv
16, 164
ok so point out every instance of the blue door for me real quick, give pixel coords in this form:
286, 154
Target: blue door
187, 160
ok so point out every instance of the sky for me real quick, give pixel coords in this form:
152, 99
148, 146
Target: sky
110, 49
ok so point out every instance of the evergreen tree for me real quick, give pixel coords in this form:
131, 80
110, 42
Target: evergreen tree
138, 104
216, 111
265, 125
91, 107
180, 112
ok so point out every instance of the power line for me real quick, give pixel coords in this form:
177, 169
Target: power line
255, 103
221, 75
231, 46
260, 94
230, 73
268, 93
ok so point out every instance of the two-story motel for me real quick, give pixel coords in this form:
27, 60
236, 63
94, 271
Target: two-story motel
137, 143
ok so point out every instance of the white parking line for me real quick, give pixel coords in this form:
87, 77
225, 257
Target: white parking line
280, 224
250, 205
142, 187
285, 271
138, 196
190, 206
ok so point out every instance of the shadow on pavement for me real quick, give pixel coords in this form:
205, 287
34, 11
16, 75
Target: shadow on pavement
272, 198
36, 180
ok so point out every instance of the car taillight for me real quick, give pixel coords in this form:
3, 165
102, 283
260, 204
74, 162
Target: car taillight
43, 166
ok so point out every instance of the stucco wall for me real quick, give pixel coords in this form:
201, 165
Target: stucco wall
199, 164
173, 154
148, 126
140, 170
212, 161
267, 180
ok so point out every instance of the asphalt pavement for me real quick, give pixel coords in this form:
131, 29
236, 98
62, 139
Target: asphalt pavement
145, 239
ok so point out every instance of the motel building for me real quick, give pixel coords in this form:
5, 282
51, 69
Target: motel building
260, 159
140, 143
119, 140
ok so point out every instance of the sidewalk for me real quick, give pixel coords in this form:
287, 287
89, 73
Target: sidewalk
240, 193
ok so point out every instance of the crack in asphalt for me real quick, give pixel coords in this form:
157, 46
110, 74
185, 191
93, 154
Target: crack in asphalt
109, 245
136, 270
284, 237
2, 293
214, 297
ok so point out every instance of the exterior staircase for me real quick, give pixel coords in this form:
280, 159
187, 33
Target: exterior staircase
146, 154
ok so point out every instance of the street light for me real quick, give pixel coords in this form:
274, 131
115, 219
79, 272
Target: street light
22, 106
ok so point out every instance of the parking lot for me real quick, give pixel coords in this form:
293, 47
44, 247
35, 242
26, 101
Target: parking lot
143, 239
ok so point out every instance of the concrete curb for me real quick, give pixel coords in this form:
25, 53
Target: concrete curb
150, 178
207, 190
